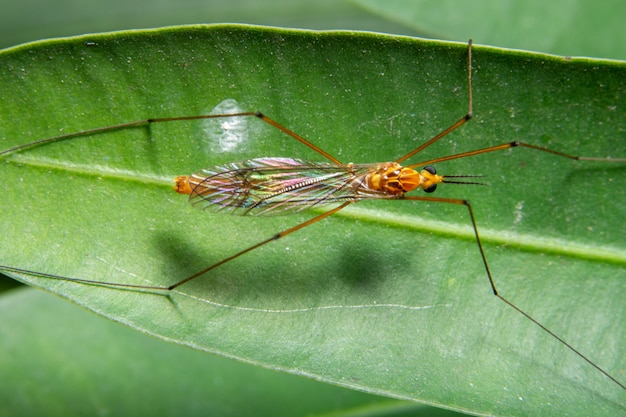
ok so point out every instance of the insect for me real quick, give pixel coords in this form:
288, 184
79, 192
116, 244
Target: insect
266, 186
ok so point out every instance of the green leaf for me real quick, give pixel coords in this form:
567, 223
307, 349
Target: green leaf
388, 297
74, 369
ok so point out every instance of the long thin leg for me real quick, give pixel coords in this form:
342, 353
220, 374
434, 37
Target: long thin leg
459, 122
274, 237
493, 285
503, 146
146, 122
191, 277
510, 145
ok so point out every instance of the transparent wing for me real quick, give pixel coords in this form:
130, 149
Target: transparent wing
273, 186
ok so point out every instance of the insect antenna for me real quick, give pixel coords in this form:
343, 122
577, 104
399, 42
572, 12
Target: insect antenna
447, 181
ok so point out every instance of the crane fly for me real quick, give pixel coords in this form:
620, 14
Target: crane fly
273, 185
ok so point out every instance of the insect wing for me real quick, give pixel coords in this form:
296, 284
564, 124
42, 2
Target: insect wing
274, 186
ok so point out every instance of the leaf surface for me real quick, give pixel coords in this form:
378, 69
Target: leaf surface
75, 369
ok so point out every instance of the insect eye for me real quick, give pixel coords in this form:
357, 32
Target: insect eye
431, 169
431, 188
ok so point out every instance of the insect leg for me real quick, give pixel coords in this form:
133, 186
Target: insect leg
467, 204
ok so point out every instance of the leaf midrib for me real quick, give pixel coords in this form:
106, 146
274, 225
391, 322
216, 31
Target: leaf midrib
525, 242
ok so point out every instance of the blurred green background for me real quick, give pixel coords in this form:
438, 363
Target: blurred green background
563, 27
